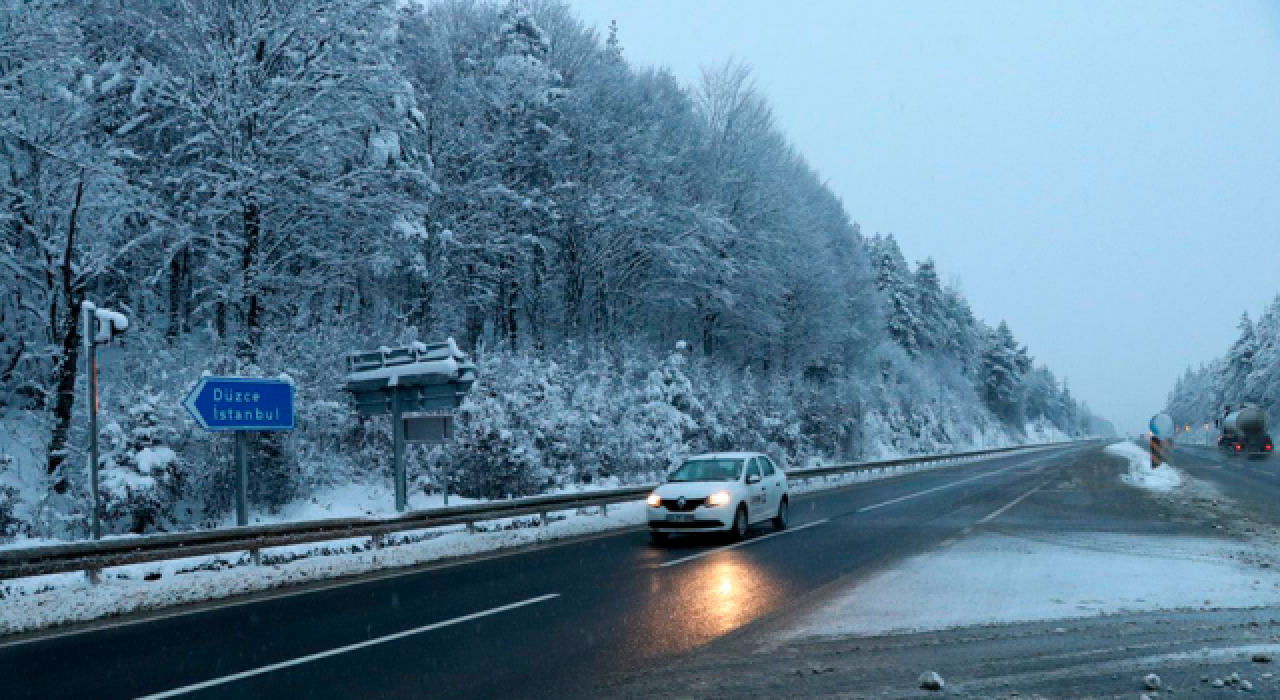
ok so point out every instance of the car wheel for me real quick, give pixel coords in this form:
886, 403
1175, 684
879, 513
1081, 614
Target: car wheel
739, 531
659, 537
780, 520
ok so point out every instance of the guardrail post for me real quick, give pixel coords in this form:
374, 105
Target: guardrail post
604, 509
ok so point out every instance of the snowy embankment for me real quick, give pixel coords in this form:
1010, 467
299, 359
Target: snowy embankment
1163, 479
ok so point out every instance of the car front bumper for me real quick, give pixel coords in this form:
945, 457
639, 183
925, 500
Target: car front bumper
700, 519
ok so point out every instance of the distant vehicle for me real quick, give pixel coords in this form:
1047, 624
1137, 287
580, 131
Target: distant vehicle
1244, 431
722, 492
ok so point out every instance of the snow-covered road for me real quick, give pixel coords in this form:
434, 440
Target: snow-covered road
997, 578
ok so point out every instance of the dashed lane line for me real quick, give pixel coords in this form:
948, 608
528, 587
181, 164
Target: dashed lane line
1005, 508
939, 488
744, 543
349, 648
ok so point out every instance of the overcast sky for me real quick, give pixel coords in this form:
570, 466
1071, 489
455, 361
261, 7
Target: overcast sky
1103, 175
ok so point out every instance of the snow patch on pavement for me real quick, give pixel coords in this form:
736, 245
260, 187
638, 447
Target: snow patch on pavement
997, 579
1162, 479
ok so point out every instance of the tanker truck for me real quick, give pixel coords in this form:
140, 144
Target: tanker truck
1244, 431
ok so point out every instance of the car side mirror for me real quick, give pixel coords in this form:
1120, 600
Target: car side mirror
753, 479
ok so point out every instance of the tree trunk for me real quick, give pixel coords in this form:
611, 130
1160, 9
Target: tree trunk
474, 322
178, 286
64, 373
251, 334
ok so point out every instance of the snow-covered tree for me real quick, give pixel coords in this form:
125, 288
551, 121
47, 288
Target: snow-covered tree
141, 475
894, 280
267, 186
1238, 363
1005, 364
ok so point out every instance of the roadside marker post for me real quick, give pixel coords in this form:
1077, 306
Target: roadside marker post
1162, 431
99, 326
242, 405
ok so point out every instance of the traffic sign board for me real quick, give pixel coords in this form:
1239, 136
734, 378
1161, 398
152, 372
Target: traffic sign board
241, 403
1162, 425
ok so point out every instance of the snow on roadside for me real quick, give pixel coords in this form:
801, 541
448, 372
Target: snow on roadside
996, 579
859, 477
44, 601
1162, 479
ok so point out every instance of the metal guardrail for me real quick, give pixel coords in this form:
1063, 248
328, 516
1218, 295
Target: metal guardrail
98, 554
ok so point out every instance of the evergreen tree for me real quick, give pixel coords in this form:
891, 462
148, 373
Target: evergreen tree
935, 325
1238, 364
142, 477
893, 279
1004, 366
1263, 382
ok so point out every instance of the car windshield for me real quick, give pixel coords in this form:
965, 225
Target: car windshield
708, 470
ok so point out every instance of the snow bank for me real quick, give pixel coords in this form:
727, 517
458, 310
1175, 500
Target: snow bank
995, 579
1162, 479
45, 601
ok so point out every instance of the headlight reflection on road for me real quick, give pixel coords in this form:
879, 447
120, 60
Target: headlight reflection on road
703, 600
731, 592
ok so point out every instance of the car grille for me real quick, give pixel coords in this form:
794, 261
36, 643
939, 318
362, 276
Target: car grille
695, 525
673, 504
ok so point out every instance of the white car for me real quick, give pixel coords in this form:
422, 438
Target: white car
724, 492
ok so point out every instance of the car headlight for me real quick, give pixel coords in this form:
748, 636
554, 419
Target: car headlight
718, 498
654, 500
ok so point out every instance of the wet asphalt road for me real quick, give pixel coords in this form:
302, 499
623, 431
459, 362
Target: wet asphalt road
555, 621
1253, 483
1082, 496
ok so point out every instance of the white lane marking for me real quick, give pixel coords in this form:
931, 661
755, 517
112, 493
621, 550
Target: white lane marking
744, 543
938, 488
145, 616
342, 650
1010, 504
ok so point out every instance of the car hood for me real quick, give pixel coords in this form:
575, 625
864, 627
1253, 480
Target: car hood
693, 489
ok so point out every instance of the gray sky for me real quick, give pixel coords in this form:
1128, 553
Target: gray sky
1103, 175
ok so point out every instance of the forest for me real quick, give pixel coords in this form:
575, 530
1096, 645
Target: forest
1249, 371
641, 269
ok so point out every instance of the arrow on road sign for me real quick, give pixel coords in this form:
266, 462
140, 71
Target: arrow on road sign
241, 403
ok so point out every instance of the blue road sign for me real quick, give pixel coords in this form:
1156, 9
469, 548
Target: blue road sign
1161, 425
240, 403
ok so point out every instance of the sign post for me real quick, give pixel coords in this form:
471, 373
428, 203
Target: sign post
399, 474
426, 381
242, 405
